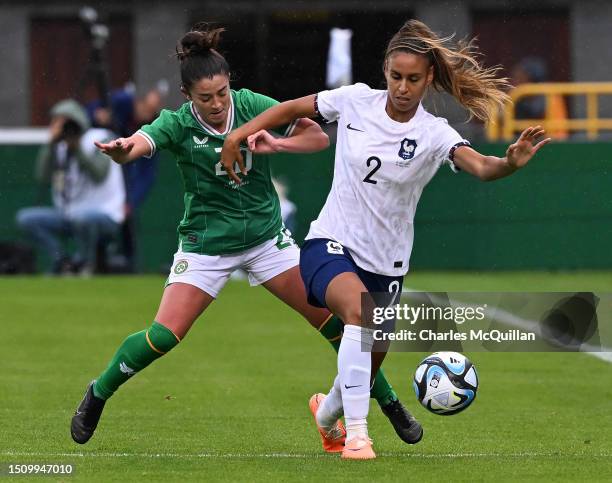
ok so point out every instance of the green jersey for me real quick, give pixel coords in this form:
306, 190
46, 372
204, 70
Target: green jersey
220, 215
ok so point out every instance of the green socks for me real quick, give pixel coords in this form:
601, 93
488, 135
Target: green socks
140, 349
381, 389
332, 330
134, 354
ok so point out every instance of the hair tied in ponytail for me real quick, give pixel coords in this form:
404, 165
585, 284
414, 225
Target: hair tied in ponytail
197, 52
200, 40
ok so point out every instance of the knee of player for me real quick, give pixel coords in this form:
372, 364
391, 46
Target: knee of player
160, 338
351, 314
318, 318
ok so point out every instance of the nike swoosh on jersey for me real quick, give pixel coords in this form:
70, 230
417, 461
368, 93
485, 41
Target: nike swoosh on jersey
353, 128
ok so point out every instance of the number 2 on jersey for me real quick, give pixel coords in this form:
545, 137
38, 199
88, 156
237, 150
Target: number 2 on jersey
368, 178
248, 163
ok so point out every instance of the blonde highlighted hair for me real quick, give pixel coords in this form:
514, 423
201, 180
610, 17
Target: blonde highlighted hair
457, 69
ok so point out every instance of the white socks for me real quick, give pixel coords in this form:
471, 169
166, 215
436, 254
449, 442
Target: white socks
331, 408
350, 393
354, 369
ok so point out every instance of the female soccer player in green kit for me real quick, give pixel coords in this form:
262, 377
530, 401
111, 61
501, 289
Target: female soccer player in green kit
226, 226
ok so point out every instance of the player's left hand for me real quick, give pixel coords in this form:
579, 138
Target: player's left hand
520, 152
262, 142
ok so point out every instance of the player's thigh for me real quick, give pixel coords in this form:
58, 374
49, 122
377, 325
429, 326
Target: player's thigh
274, 264
194, 282
180, 306
271, 258
289, 287
328, 271
343, 297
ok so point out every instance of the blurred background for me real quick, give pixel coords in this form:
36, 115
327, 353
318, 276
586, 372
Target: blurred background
116, 59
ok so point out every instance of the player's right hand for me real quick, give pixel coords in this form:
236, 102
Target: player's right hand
230, 154
118, 149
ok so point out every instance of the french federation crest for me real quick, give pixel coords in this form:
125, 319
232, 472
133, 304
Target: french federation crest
407, 148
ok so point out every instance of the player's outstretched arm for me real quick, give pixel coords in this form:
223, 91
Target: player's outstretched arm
282, 113
518, 154
124, 150
307, 137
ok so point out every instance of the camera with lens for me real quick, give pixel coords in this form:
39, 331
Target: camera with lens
71, 129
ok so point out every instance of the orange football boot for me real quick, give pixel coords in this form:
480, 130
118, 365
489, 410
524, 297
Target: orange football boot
358, 448
333, 440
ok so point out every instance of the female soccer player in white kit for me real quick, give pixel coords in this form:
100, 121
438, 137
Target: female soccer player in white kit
388, 148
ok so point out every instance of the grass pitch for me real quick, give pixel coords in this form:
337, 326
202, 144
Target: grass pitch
230, 402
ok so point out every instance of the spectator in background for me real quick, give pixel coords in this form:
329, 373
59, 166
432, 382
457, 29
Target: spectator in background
535, 70
127, 113
87, 190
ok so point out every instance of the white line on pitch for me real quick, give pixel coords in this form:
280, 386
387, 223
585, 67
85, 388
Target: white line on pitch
298, 455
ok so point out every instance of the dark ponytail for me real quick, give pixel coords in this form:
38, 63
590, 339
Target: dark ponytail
198, 55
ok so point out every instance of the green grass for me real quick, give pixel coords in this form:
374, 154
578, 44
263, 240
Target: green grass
230, 403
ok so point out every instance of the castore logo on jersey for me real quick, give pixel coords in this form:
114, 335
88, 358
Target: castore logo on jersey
200, 142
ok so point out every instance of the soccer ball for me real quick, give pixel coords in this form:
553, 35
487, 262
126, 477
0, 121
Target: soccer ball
445, 383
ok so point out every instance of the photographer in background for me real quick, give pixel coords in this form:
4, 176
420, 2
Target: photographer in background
127, 112
87, 190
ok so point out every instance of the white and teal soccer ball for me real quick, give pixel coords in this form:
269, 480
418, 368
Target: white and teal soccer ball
445, 383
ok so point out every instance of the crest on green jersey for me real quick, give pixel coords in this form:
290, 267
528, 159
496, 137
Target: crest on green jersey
181, 266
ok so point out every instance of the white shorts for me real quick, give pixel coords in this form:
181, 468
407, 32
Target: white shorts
211, 272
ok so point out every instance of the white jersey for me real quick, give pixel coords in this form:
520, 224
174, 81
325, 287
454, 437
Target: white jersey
381, 168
